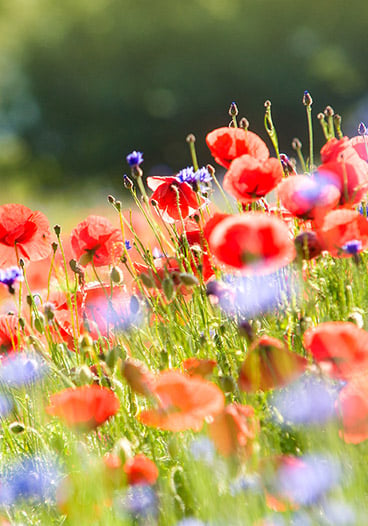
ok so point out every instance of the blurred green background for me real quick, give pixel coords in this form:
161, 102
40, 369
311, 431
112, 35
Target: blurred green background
84, 82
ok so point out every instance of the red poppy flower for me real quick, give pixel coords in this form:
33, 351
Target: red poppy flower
359, 144
234, 429
352, 406
107, 312
308, 197
248, 179
349, 176
174, 200
199, 367
226, 144
95, 239
341, 347
183, 402
141, 470
84, 407
252, 241
26, 230
139, 378
9, 326
269, 364
340, 227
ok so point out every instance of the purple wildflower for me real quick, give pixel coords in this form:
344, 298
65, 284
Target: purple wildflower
134, 159
9, 276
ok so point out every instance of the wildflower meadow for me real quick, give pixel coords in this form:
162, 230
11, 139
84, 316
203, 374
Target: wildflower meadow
201, 359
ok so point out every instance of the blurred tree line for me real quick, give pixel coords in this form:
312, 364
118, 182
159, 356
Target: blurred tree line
82, 83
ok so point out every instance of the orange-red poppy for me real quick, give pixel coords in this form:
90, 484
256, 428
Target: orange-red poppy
96, 239
173, 199
352, 406
341, 347
252, 241
234, 429
269, 364
199, 366
248, 179
226, 144
141, 470
183, 402
339, 227
23, 232
84, 407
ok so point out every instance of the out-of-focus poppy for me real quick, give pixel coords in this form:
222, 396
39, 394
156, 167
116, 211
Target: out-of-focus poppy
174, 200
24, 230
352, 406
308, 197
140, 379
360, 145
252, 241
84, 407
269, 364
234, 429
339, 227
9, 326
183, 402
248, 179
351, 178
141, 470
308, 245
95, 239
341, 347
199, 366
226, 144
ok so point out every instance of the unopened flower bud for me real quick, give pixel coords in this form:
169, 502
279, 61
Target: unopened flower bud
128, 183
329, 111
168, 287
267, 104
188, 279
147, 281
362, 129
54, 246
296, 144
85, 342
244, 123
17, 427
307, 99
116, 275
39, 323
57, 230
191, 138
48, 310
138, 376
233, 110
111, 199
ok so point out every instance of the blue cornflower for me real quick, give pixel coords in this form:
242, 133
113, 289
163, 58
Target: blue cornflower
139, 501
308, 479
22, 369
34, 479
128, 245
9, 276
202, 449
134, 159
188, 175
246, 483
352, 247
309, 400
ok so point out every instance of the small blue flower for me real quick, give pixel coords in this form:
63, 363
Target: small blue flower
352, 247
134, 159
140, 501
362, 129
202, 449
10, 276
307, 481
246, 483
33, 479
309, 400
128, 245
188, 175
22, 369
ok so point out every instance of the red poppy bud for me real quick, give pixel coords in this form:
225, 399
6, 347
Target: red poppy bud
141, 470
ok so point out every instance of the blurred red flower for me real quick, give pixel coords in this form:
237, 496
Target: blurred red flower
9, 325
84, 407
173, 199
199, 366
226, 144
307, 197
141, 470
248, 179
340, 347
352, 406
269, 364
252, 241
183, 402
234, 429
95, 239
26, 230
339, 227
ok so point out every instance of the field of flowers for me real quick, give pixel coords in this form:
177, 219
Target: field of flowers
190, 365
